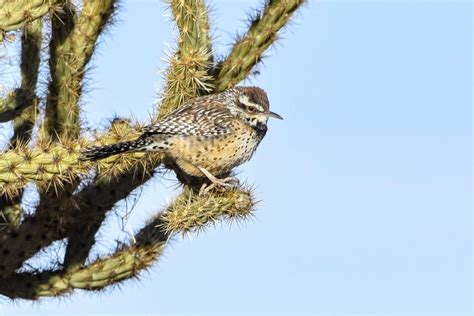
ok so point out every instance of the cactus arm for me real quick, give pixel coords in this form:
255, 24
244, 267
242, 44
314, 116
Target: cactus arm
94, 17
192, 20
45, 166
248, 50
187, 75
191, 213
72, 45
51, 164
61, 108
115, 268
10, 209
30, 61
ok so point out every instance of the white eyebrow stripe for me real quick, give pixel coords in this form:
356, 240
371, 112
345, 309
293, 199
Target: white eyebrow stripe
245, 100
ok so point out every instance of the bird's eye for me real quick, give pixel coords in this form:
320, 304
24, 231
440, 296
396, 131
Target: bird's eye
250, 109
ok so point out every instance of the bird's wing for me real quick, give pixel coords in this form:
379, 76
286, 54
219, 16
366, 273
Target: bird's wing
194, 119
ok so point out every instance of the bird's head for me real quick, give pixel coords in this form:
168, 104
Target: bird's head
253, 107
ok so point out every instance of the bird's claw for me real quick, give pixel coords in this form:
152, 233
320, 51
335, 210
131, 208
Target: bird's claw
219, 184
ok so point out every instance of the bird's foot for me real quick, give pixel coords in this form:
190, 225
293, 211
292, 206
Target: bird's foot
219, 184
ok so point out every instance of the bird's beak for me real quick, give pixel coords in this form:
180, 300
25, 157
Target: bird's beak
273, 114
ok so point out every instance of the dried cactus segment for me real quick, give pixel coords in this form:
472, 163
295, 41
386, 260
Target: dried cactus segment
95, 201
30, 55
248, 50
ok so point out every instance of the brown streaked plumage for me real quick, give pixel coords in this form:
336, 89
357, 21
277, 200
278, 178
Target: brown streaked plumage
207, 136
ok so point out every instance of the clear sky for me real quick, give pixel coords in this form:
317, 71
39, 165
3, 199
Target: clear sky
366, 185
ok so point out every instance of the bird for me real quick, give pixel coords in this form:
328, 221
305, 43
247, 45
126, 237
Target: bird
206, 137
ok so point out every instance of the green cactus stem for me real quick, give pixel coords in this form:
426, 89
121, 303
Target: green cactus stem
53, 164
73, 41
188, 73
249, 49
191, 212
30, 61
10, 209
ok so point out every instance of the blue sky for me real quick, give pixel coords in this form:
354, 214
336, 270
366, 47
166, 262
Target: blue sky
366, 186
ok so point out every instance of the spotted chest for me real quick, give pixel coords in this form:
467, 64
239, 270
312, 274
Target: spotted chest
218, 154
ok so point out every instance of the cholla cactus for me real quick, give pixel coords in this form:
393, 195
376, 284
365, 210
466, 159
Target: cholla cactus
75, 197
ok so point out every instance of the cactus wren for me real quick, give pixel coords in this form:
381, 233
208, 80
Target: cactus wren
207, 136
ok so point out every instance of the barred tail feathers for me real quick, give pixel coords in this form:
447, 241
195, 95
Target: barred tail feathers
96, 153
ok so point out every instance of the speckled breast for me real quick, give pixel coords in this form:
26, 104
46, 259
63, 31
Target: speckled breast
217, 154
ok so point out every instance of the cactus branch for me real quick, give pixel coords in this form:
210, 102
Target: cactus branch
52, 164
72, 45
191, 213
187, 75
30, 61
10, 208
45, 166
61, 105
248, 50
